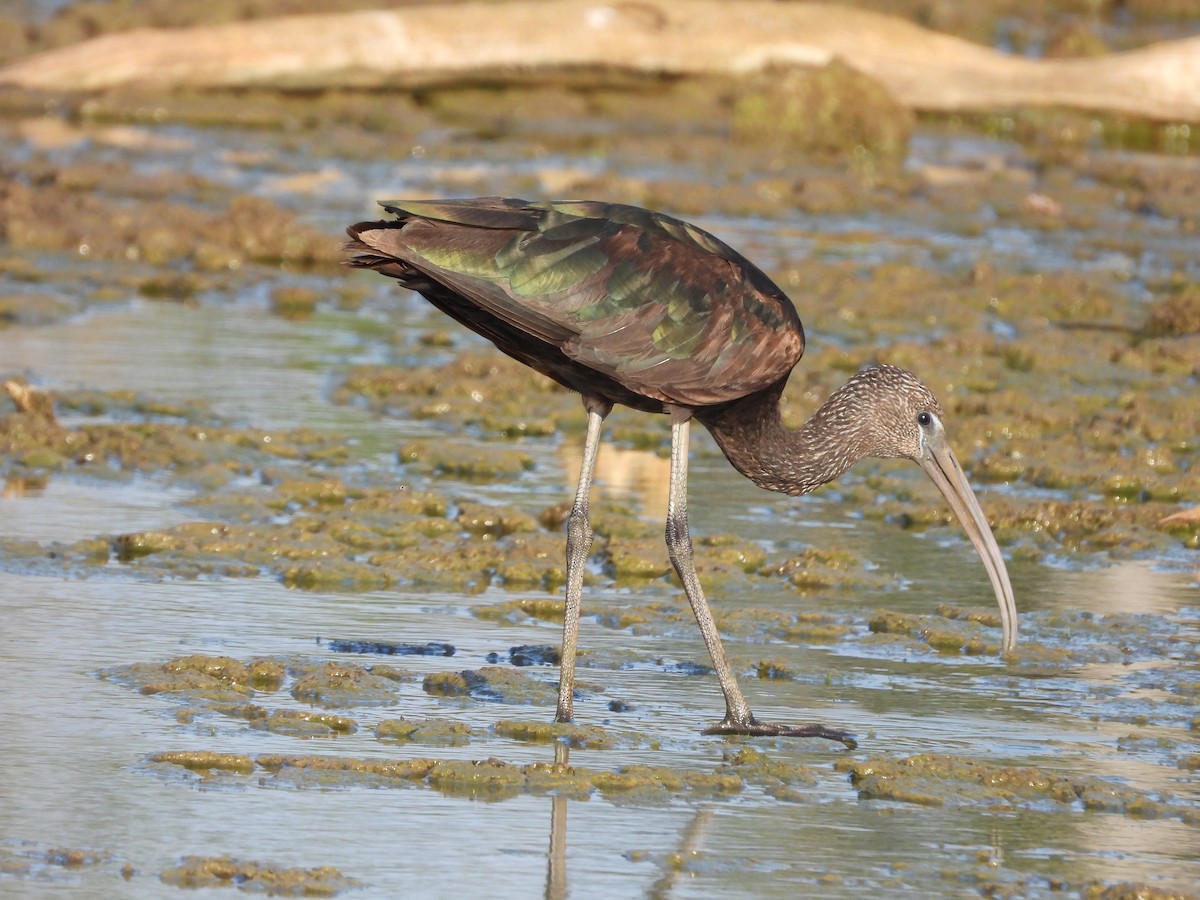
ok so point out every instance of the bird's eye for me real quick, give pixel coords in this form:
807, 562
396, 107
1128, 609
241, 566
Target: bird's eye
924, 419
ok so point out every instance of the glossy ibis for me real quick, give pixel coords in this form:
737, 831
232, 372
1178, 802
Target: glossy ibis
630, 306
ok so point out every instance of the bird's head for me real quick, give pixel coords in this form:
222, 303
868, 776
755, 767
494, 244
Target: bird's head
888, 412
894, 414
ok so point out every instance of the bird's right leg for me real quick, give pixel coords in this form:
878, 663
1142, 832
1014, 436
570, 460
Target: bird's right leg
738, 718
579, 544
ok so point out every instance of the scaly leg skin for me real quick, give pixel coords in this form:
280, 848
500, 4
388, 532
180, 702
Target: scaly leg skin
579, 544
738, 718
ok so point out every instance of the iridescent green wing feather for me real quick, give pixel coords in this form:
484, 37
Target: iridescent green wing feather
661, 306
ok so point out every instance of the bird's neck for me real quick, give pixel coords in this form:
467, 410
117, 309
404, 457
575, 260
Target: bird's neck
754, 439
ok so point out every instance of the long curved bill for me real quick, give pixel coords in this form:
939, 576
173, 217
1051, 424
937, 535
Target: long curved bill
943, 469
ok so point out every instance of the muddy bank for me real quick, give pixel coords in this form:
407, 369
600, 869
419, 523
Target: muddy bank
1053, 29
424, 45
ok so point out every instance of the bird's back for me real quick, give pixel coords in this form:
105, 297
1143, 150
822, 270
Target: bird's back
610, 300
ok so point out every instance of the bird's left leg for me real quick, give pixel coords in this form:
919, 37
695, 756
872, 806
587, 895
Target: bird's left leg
579, 544
738, 718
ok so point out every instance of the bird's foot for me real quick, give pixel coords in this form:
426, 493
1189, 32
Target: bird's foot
751, 726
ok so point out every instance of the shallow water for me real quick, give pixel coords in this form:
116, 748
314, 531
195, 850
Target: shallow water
75, 745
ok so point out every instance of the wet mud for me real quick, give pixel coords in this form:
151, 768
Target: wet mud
935, 780
257, 878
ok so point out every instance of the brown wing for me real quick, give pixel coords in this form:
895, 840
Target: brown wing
652, 303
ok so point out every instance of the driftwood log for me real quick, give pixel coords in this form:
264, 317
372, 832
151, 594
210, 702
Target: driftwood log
440, 44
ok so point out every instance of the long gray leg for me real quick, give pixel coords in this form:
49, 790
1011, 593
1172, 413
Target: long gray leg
579, 544
738, 718
679, 547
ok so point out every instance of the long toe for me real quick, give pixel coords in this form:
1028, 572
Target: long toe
755, 728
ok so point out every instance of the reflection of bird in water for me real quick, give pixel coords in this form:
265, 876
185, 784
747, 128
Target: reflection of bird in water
628, 306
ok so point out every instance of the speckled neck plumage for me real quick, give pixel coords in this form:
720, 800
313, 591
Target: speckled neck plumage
754, 439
